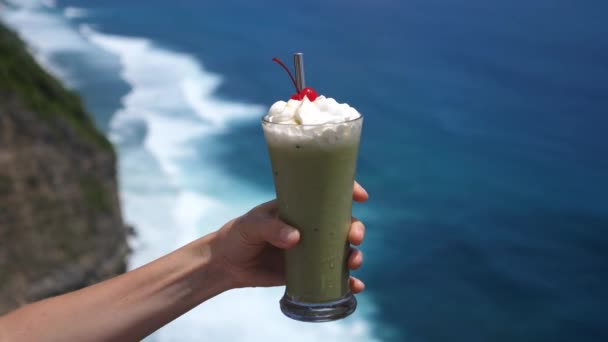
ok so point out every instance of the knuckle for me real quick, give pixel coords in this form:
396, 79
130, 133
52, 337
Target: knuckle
245, 236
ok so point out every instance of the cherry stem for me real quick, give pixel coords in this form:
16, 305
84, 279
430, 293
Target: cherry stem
288, 72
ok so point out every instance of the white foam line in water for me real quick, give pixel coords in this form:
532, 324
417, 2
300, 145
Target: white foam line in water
172, 100
74, 12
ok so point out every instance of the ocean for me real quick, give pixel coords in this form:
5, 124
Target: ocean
484, 149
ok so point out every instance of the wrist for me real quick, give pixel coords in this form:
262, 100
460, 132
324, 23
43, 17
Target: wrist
221, 250
209, 278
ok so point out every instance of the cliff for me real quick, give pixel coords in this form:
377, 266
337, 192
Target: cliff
60, 222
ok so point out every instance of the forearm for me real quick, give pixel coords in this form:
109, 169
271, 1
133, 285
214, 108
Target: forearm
126, 308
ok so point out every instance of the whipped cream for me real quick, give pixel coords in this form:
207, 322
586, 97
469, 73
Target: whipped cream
323, 123
322, 110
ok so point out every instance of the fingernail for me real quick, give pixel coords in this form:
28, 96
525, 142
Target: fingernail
287, 234
362, 189
358, 225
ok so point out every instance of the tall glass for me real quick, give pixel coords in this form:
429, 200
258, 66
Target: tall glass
314, 169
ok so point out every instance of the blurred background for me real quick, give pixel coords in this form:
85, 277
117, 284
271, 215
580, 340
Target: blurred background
484, 149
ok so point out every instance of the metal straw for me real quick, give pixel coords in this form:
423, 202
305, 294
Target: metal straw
298, 61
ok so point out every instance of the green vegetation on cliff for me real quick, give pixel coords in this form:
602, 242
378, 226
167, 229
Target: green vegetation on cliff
95, 194
45, 96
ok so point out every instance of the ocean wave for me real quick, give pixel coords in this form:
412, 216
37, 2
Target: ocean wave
165, 87
74, 12
31, 4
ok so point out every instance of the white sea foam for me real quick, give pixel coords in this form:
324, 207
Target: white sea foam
74, 12
29, 4
172, 102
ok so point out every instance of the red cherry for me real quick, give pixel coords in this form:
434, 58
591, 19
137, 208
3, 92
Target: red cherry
310, 93
298, 97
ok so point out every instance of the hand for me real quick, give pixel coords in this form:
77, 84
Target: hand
250, 246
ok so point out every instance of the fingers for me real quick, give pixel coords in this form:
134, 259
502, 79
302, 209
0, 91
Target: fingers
262, 225
277, 233
359, 194
356, 285
288, 237
355, 259
357, 232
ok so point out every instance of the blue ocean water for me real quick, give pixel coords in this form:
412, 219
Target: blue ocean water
483, 150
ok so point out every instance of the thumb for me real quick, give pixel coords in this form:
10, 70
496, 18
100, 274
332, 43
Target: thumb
286, 237
273, 231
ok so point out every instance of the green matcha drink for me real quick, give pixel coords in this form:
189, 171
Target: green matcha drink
314, 185
313, 143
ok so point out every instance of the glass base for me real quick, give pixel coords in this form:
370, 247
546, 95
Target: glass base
319, 312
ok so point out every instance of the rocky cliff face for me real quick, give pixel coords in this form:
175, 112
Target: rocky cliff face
60, 222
